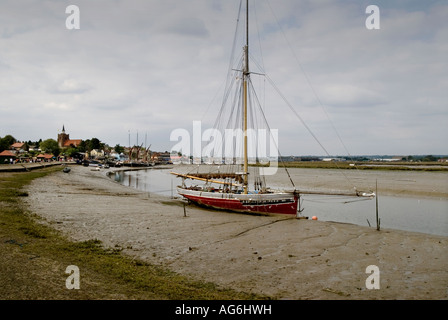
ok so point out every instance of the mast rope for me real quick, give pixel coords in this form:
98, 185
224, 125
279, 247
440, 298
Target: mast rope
304, 124
313, 90
270, 133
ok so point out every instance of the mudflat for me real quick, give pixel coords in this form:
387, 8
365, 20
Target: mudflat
282, 257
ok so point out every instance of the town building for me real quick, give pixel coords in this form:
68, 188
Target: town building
44, 157
64, 140
18, 146
97, 154
7, 156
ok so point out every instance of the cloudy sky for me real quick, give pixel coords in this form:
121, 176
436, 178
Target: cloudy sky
152, 66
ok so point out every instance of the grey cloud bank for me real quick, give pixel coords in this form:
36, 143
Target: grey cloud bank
155, 66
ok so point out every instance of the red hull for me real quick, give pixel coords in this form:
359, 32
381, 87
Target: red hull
289, 207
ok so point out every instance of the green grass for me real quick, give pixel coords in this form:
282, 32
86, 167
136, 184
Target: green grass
107, 273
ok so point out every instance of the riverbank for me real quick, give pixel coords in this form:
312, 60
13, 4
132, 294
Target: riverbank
270, 255
21, 167
34, 259
369, 165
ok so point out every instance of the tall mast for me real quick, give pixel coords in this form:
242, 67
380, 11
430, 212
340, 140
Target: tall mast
245, 80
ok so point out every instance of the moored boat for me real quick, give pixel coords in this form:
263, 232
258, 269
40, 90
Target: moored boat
229, 190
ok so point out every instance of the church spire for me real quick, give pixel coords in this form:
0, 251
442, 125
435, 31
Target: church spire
63, 129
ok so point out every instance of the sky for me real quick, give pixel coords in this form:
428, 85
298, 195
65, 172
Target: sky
136, 70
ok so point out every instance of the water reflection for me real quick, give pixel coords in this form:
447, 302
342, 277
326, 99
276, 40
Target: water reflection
403, 213
150, 180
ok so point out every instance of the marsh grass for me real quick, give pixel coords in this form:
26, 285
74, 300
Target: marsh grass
30, 246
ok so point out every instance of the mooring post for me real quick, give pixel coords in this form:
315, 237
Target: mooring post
376, 198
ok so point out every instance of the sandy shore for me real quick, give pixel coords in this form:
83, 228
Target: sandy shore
278, 256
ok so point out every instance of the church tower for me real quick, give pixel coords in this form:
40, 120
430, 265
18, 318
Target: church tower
62, 138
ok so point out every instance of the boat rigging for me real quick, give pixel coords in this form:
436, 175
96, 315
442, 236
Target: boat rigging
228, 188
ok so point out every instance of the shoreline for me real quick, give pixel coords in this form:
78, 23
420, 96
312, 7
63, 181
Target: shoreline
20, 167
277, 256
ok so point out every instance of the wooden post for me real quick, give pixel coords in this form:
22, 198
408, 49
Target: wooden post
376, 198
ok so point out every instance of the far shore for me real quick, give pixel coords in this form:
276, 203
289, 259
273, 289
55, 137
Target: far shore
369, 165
349, 165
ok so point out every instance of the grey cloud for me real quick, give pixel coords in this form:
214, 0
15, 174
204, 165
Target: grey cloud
187, 26
156, 65
70, 86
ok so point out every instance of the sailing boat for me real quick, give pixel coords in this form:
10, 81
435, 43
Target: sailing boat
230, 190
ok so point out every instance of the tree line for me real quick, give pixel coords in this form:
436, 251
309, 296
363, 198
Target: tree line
51, 146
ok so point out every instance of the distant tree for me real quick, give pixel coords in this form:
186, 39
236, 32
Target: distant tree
6, 142
119, 149
82, 147
34, 143
430, 158
50, 146
90, 144
71, 152
3, 145
95, 143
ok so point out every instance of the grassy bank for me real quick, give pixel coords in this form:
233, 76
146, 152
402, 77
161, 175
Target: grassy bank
403, 166
34, 258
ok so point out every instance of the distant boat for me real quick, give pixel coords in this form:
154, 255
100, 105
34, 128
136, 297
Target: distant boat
66, 170
230, 190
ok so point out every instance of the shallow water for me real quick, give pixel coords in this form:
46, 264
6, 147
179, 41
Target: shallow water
403, 213
409, 213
